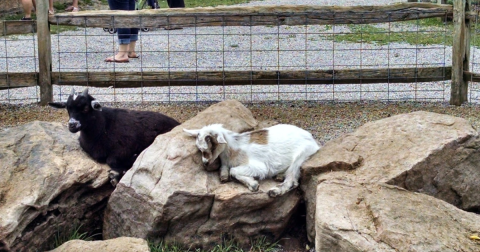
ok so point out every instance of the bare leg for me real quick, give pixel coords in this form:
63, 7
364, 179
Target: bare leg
51, 11
75, 6
131, 50
27, 8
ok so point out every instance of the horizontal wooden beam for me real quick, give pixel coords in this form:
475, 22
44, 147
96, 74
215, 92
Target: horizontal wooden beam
228, 78
253, 16
10, 27
16, 80
470, 76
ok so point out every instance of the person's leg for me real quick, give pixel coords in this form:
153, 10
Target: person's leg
51, 11
133, 35
176, 3
27, 9
131, 50
73, 7
124, 34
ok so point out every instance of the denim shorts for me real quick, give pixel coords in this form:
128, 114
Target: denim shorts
125, 35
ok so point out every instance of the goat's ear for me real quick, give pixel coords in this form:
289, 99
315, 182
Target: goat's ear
193, 133
58, 105
221, 139
96, 105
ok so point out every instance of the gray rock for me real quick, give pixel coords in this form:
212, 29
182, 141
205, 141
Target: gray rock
358, 217
47, 184
421, 151
168, 195
121, 244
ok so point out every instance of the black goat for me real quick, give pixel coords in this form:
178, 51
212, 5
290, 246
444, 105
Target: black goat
113, 136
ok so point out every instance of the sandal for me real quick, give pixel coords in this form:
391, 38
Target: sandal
26, 19
133, 56
71, 8
112, 59
51, 12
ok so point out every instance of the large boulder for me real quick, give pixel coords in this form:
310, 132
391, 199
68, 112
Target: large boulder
168, 196
358, 217
47, 184
422, 152
121, 244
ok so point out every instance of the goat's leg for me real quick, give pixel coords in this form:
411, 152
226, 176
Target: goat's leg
117, 170
291, 180
224, 173
240, 174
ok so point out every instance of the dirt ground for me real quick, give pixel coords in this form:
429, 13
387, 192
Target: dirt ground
324, 120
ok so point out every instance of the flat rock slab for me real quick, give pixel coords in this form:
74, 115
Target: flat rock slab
423, 152
379, 217
48, 184
121, 244
169, 196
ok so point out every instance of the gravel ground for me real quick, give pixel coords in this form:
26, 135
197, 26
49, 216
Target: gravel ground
326, 120
237, 48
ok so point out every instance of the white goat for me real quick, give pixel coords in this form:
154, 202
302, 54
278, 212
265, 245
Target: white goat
257, 154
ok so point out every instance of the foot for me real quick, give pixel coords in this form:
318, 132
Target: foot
224, 179
132, 55
253, 186
51, 12
279, 177
274, 192
117, 59
113, 176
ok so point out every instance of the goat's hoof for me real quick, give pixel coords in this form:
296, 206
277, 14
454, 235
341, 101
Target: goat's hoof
114, 182
253, 187
224, 179
113, 176
279, 178
274, 192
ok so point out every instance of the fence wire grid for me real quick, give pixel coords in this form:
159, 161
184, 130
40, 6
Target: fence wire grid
418, 43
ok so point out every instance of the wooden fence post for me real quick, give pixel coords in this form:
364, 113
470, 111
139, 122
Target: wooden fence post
460, 52
44, 53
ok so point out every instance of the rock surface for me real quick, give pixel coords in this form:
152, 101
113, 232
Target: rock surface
47, 184
121, 244
422, 152
357, 217
168, 195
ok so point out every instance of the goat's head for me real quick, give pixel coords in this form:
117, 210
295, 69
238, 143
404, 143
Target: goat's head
209, 141
80, 109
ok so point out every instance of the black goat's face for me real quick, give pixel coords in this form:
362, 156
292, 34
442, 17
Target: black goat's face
80, 109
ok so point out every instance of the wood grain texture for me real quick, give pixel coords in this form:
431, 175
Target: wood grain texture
11, 27
253, 16
460, 53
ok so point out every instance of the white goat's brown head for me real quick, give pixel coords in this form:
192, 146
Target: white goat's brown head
210, 141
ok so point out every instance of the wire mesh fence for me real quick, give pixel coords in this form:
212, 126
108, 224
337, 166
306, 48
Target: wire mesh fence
196, 63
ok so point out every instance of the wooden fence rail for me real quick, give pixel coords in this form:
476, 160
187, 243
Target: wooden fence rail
253, 16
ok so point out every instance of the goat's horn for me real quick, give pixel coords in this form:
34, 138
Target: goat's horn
73, 92
85, 92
